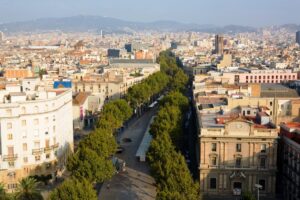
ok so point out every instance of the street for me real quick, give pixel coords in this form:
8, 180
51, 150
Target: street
135, 183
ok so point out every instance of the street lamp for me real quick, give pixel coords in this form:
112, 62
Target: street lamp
258, 187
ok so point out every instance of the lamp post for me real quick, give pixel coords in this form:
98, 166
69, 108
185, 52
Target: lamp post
258, 187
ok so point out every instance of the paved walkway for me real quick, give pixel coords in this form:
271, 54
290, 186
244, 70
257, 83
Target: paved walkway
135, 183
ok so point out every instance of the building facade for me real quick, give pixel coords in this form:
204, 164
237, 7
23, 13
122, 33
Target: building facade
261, 76
35, 139
289, 160
298, 37
219, 44
236, 153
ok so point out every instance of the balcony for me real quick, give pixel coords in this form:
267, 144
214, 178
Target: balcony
236, 167
47, 149
37, 151
10, 158
55, 146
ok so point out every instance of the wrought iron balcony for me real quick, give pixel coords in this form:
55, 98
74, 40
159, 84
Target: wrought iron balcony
11, 157
37, 151
55, 146
47, 149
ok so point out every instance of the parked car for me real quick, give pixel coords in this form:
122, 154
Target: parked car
120, 149
127, 140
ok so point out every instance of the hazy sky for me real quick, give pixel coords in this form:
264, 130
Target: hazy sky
219, 12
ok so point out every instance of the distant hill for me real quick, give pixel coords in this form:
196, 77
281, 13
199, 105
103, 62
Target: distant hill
96, 23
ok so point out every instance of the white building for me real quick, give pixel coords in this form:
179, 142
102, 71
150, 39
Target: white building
36, 130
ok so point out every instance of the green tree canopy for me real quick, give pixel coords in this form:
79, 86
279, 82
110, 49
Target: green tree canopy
101, 141
110, 122
175, 98
167, 165
179, 80
119, 109
74, 189
86, 163
3, 194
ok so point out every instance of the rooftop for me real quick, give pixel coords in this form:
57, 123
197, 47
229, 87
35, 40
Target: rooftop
277, 90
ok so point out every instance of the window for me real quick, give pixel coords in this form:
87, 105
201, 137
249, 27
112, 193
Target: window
36, 121
238, 147
10, 151
23, 122
11, 164
47, 143
47, 156
238, 162
213, 183
262, 182
248, 112
271, 103
237, 185
263, 148
213, 161
9, 125
12, 186
214, 147
24, 146
262, 163
37, 158
25, 160
10, 136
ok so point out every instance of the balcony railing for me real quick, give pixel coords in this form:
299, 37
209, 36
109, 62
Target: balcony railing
236, 167
12, 157
230, 167
55, 146
37, 151
47, 149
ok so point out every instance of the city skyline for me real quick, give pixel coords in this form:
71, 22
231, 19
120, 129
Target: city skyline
254, 13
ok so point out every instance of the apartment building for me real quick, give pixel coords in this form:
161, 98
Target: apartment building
289, 160
18, 73
237, 149
35, 139
260, 76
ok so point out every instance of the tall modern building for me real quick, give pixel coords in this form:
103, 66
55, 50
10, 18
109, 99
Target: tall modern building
219, 44
113, 53
298, 37
34, 138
